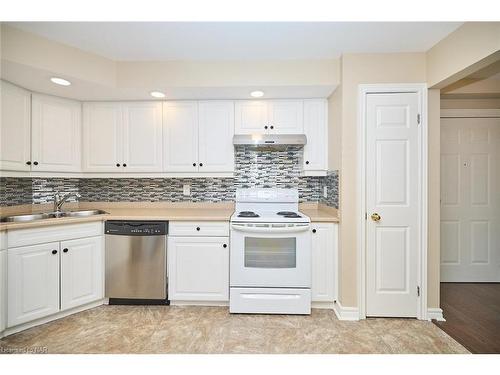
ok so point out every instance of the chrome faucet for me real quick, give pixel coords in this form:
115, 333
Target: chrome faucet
60, 199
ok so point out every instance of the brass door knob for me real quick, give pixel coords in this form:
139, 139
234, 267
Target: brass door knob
375, 217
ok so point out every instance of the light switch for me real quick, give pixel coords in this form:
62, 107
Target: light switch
186, 189
325, 192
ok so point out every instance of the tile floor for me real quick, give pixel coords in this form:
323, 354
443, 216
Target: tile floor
159, 329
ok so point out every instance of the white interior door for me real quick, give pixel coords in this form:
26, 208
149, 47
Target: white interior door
470, 199
392, 180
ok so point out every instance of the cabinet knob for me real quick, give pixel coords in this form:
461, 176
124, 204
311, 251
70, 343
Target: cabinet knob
54, 252
124, 164
265, 127
36, 163
272, 127
314, 230
307, 161
224, 246
65, 250
201, 164
198, 229
194, 164
117, 164
28, 163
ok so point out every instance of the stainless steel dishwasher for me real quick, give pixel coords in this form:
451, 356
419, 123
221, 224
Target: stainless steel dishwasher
136, 262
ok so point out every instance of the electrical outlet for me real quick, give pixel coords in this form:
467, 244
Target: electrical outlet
325, 192
186, 189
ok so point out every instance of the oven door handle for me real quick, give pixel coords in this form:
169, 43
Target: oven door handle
294, 229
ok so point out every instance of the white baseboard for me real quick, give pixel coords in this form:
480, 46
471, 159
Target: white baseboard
322, 305
344, 312
435, 313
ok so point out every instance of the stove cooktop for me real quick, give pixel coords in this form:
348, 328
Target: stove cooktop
270, 216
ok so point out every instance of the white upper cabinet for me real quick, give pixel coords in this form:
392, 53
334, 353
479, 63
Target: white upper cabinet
315, 159
250, 116
122, 137
216, 130
56, 139
102, 137
180, 136
15, 128
142, 137
269, 116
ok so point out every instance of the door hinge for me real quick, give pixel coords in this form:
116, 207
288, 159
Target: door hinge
366, 216
418, 118
418, 291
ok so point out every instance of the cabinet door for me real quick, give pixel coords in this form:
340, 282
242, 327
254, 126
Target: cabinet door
286, 116
251, 117
33, 282
15, 128
180, 136
81, 271
316, 131
56, 128
216, 130
3, 285
324, 245
198, 268
142, 137
102, 138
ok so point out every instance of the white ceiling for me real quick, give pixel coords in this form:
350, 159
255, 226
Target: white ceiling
236, 41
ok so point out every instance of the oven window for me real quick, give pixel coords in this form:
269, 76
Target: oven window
270, 252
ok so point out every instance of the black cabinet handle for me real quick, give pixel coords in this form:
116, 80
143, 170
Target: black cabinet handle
272, 127
124, 164
265, 127
307, 161
28, 163
201, 164
36, 163
65, 250
54, 252
224, 246
314, 230
194, 164
198, 229
117, 164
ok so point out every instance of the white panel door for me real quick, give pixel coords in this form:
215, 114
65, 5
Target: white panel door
392, 178
142, 137
324, 250
316, 131
470, 200
102, 137
82, 268
56, 134
251, 117
15, 128
216, 130
180, 136
286, 116
198, 268
33, 282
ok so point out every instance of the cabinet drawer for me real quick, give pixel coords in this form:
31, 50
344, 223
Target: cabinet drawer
32, 236
198, 228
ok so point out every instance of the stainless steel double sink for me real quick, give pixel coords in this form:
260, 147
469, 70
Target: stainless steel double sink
50, 215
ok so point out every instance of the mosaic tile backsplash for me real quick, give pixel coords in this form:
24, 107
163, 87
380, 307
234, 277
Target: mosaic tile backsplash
253, 168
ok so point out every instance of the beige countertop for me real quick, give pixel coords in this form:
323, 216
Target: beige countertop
170, 211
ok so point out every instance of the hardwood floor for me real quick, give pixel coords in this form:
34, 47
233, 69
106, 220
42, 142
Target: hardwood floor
472, 313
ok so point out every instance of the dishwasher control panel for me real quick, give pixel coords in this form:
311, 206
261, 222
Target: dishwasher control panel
136, 228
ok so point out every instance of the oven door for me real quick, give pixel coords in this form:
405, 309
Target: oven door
270, 255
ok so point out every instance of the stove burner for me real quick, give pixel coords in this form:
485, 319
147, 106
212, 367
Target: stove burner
247, 214
289, 214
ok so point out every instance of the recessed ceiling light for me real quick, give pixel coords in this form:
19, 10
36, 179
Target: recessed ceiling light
157, 94
257, 94
60, 81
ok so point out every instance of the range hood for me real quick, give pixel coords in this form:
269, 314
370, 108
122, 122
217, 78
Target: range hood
270, 141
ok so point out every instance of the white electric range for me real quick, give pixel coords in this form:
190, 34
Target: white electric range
270, 258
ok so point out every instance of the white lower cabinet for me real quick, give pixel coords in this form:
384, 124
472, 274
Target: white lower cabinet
44, 279
3, 284
33, 282
198, 268
324, 257
82, 267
